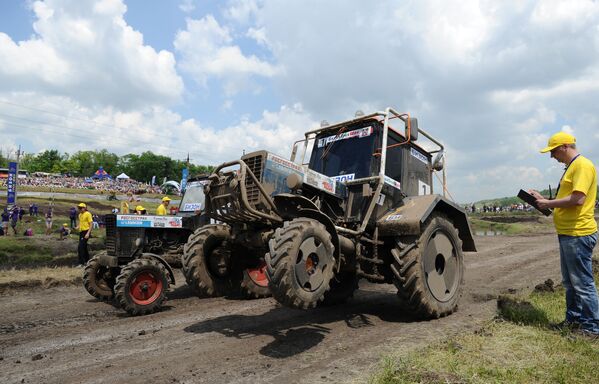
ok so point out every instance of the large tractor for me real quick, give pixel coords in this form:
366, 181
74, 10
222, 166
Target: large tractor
137, 267
362, 206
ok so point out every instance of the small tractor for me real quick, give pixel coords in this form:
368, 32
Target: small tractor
136, 268
362, 207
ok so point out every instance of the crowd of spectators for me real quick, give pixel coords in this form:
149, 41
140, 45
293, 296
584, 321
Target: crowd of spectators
105, 186
521, 207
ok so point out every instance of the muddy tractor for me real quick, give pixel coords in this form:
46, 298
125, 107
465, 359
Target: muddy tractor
141, 250
362, 206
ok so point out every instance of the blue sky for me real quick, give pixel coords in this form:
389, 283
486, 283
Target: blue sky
492, 80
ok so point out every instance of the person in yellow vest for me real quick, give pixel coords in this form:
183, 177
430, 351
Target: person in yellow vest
85, 231
574, 219
162, 208
140, 210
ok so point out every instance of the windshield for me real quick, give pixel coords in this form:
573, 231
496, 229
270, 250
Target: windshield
193, 199
347, 154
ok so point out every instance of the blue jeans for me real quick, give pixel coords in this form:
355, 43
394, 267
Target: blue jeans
582, 305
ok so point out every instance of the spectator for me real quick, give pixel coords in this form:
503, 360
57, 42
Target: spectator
21, 213
49, 221
73, 217
28, 232
14, 219
85, 231
30, 209
139, 210
95, 222
35, 208
64, 231
161, 210
5, 219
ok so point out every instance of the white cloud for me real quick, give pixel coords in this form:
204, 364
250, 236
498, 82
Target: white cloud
86, 51
187, 6
207, 50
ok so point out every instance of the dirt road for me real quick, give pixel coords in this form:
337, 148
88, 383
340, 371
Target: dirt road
62, 335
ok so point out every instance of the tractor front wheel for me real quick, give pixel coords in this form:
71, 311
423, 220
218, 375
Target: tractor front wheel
141, 287
98, 279
254, 283
300, 263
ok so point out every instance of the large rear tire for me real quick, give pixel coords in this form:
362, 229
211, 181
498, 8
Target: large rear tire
98, 279
429, 272
301, 263
141, 287
207, 262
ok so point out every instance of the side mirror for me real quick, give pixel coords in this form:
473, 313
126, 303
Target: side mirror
439, 161
413, 128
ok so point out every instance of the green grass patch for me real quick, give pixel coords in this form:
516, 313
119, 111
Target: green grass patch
518, 346
479, 225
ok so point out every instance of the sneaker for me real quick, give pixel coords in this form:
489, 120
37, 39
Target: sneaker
589, 335
569, 325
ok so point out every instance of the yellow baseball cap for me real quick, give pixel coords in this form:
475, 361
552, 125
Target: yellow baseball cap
65, 225
558, 139
82, 205
140, 208
166, 198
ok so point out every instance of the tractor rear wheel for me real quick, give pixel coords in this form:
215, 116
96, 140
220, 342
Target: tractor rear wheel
300, 263
254, 283
141, 287
429, 272
207, 262
98, 279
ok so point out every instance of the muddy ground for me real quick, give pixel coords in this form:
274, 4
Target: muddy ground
63, 335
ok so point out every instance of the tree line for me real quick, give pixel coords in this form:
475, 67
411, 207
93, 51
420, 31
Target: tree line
85, 163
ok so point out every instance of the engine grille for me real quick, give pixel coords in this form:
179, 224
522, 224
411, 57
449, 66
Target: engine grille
110, 221
255, 164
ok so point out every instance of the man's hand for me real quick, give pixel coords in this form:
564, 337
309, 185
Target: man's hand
536, 194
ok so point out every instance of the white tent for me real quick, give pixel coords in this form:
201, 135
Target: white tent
122, 176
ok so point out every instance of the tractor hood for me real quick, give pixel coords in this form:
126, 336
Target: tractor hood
277, 169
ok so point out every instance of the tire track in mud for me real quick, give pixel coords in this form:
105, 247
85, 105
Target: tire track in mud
233, 341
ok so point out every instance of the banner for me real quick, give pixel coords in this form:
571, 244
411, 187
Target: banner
184, 177
11, 184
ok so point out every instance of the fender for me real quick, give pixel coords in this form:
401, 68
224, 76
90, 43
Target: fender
291, 206
415, 210
163, 262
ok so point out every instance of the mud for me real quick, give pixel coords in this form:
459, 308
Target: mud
513, 219
63, 335
14, 287
547, 286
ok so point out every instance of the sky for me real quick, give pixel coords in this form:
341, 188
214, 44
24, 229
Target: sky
491, 80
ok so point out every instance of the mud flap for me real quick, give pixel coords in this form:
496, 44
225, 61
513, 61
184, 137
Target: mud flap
409, 217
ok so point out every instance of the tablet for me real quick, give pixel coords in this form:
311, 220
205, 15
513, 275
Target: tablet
530, 199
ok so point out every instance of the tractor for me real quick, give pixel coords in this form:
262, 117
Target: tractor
137, 267
362, 206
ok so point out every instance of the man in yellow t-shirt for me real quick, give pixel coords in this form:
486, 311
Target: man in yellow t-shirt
162, 208
574, 219
85, 231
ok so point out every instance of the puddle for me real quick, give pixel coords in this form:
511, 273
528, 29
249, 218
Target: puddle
489, 233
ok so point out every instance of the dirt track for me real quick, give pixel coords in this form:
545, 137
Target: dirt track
62, 335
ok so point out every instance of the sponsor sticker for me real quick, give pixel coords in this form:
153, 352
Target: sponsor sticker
142, 221
393, 217
281, 162
187, 207
320, 181
392, 182
359, 133
344, 178
415, 153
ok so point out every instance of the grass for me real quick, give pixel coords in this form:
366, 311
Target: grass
517, 347
516, 228
40, 274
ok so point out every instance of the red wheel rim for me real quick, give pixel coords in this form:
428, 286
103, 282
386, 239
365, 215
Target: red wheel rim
258, 274
145, 288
